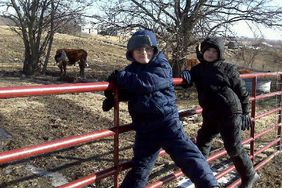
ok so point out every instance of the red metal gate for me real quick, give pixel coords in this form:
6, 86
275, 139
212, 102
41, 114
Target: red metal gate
51, 146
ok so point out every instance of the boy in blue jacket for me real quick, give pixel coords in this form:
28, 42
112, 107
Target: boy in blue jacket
148, 85
224, 99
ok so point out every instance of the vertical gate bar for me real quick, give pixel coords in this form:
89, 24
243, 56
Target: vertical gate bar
116, 138
280, 114
253, 115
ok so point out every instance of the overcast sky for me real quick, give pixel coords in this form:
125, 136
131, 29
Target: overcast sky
242, 29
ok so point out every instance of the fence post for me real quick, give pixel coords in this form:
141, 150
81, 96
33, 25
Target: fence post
253, 115
116, 138
279, 113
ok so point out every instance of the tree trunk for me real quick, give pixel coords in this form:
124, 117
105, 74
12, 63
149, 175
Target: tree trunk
48, 53
52, 33
176, 65
31, 60
184, 40
27, 66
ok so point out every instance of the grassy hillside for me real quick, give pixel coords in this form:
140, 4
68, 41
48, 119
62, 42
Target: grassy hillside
104, 53
107, 53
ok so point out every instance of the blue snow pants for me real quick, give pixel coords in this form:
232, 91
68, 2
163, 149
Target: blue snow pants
172, 138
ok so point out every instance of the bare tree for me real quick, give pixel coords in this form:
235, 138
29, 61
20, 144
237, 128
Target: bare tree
36, 22
248, 54
181, 23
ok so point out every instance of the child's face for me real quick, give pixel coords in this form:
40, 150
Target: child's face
211, 55
143, 55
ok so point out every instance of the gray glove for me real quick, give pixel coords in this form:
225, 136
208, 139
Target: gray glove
246, 122
187, 78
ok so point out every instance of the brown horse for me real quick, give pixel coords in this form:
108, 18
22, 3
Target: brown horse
66, 57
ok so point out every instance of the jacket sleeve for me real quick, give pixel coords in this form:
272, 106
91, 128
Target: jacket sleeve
238, 86
152, 79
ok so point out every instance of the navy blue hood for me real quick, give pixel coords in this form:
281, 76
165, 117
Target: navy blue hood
140, 39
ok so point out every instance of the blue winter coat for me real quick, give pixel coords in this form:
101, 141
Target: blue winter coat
151, 100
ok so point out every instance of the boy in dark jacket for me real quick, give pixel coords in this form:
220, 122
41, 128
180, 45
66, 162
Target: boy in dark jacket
148, 85
224, 99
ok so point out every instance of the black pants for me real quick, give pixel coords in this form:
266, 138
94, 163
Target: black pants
229, 127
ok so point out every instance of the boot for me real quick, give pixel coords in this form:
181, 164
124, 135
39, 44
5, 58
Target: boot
245, 169
250, 182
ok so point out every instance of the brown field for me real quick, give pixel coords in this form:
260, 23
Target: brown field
33, 120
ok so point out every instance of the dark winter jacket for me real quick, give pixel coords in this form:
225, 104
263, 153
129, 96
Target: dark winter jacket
151, 99
220, 88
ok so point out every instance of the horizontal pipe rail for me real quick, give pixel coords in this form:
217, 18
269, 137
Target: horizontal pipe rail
175, 175
178, 81
199, 110
257, 167
211, 158
30, 151
267, 146
22, 153
222, 152
260, 134
178, 174
265, 161
52, 89
216, 155
51, 146
231, 168
190, 112
272, 111
225, 172
166, 179
254, 75
89, 179
23, 91
92, 178
273, 94
264, 96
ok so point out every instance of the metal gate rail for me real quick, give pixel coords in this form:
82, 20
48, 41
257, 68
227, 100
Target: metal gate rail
251, 140
47, 147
